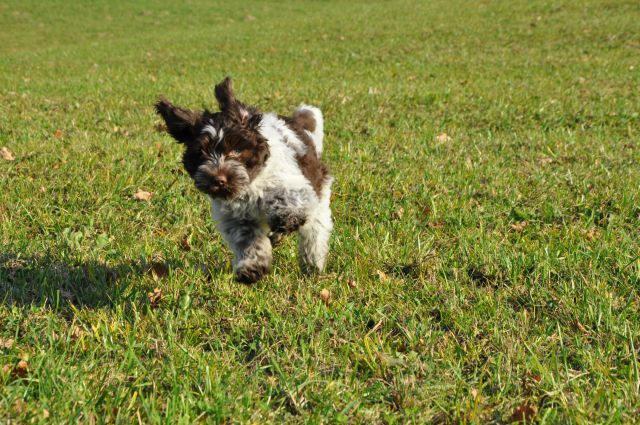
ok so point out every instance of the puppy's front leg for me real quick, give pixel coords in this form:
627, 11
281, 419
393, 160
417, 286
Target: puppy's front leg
251, 248
286, 212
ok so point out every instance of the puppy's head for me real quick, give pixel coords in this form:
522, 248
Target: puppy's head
224, 151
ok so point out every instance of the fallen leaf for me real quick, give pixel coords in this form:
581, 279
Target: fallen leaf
475, 393
524, 412
43, 189
142, 195
6, 154
20, 406
519, 226
155, 297
45, 414
184, 244
351, 283
6, 343
58, 134
21, 369
382, 275
581, 327
443, 138
592, 233
325, 296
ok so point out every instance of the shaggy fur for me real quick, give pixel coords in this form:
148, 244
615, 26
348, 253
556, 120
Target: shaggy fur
263, 175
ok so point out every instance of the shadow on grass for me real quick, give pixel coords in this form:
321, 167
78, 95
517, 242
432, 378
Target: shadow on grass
46, 281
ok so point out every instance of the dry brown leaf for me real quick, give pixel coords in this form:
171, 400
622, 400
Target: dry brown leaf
581, 327
155, 297
142, 195
43, 189
6, 343
19, 406
21, 369
397, 214
443, 138
592, 233
519, 226
382, 275
184, 244
325, 296
58, 134
525, 412
351, 283
475, 393
6, 154
45, 414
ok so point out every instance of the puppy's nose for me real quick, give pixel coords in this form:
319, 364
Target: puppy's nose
219, 180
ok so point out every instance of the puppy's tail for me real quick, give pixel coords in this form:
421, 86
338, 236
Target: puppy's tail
310, 119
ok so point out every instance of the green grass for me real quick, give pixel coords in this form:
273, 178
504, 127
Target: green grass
460, 312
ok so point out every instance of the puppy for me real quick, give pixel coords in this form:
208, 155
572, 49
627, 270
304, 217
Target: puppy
263, 175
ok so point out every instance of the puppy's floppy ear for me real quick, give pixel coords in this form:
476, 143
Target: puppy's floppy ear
229, 105
182, 124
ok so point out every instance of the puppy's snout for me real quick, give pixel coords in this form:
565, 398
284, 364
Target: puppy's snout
220, 181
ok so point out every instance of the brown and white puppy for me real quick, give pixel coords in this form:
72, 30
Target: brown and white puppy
263, 175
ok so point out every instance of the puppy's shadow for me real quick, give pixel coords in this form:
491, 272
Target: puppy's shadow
26, 281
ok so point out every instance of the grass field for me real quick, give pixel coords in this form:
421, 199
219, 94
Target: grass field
488, 275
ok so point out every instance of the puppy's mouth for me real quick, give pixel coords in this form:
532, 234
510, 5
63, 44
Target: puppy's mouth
218, 192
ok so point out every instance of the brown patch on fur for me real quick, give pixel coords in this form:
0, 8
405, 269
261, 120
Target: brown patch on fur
306, 120
312, 168
247, 146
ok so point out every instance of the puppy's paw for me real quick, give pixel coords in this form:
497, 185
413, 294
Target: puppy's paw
276, 238
310, 269
286, 223
251, 272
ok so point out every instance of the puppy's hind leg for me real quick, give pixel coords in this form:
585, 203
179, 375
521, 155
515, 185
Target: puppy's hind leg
313, 242
251, 248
